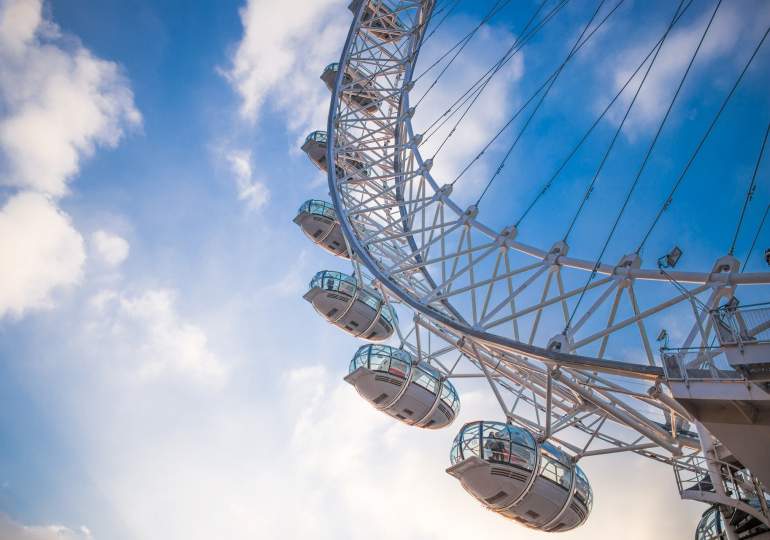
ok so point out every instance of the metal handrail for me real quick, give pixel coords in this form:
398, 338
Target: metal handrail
697, 364
694, 481
740, 325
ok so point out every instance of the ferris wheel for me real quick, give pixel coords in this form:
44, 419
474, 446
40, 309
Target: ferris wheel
577, 350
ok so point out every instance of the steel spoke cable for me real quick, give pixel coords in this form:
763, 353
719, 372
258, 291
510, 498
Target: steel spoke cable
533, 96
616, 135
503, 128
508, 123
451, 60
444, 5
484, 79
699, 304
444, 18
452, 48
521, 39
756, 236
750, 190
463, 41
489, 74
647, 157
596, 122
483, 87
542, 99
667, 202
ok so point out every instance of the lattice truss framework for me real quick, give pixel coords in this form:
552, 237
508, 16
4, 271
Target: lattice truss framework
480, 298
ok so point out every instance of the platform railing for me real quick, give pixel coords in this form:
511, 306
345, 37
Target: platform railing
697, 364
739, 325
740, 488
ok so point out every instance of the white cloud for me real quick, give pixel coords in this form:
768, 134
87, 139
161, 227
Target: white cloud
10, 530
59, 101
346, 456
40, 252
285, 47
293, 282
18, 23
310, 458
253, 192
295, 457
146, 334
111, 248
486, 117
733, 25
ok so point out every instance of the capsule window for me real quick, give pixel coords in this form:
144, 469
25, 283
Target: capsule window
522, 457
469, 443
398, 367
426, 381
555, 471
583, 488
378, 363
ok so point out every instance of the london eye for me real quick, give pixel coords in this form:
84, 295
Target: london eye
541, 261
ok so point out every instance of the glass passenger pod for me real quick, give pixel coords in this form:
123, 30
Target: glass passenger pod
379, 20
710, 526
504, 468
360, 311
713, 523
414, 393
318, 220
349, 167
356, 87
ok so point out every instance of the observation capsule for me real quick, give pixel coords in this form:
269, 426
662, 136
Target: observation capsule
411, 392
505, 468
360, 311
379, 20
711, 525
318, 220
348, 165
357, 90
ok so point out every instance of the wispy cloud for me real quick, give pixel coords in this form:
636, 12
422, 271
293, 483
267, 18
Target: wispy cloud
250, 190
11, 530
147, 337
58, 103
111, 249
40, 251
279, 60
732, 25
487, 115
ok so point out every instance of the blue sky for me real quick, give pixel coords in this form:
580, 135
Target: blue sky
160, 375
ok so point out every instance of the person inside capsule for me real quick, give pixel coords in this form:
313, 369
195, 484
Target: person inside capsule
497, 463
496, 447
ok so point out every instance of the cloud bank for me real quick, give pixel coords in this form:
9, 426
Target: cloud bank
10, 530
39, 251
279, 60
58, 103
